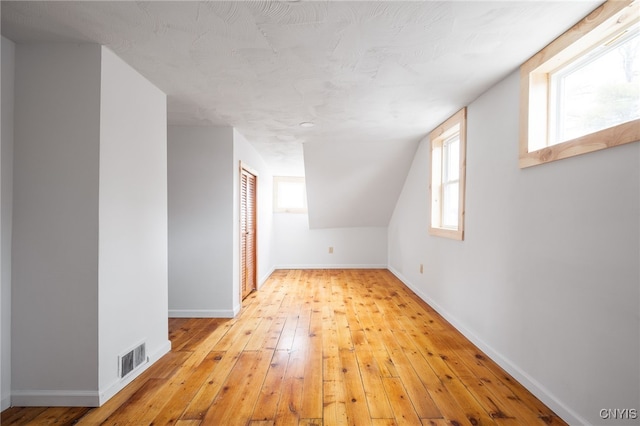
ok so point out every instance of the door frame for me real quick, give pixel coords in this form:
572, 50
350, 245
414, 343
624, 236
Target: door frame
244, 167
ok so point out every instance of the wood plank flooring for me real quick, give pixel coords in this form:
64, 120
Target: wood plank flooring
315, 347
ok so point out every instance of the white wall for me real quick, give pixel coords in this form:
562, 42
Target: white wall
297, 246
132, 219
55, 238
204, 169
546, 280
90, 223
6, 203
200, 162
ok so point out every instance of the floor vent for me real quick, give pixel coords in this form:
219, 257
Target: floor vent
132, 359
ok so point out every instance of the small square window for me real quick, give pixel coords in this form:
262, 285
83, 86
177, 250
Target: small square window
289, 194
448, 147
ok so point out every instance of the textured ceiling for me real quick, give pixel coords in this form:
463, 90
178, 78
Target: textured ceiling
374, 76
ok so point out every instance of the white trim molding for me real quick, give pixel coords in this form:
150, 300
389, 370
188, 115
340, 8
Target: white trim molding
203, 313
81, 398
55, 398
5, 403
120, 384
535, 387
352, 266
265, 277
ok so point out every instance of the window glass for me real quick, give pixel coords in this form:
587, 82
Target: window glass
452, 158
599, 90
450, 206
450, 175
289, 194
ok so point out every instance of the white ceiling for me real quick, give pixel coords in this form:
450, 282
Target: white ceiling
374, 76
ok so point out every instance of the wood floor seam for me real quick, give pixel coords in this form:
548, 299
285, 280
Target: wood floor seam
315, 347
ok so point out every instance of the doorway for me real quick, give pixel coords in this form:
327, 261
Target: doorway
248, 230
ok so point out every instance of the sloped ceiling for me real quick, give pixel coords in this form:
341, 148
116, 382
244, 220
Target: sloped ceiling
373, 76
356, 183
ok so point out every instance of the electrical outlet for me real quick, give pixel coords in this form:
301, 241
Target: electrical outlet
330, 250
421, 268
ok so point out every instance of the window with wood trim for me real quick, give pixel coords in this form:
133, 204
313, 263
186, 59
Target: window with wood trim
448, 144
289, 194
581, 93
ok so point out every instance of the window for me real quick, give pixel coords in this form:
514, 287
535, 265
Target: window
581, 93
289, 195
448, 151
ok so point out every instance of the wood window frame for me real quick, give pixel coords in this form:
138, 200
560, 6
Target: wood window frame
456, 123
607, 20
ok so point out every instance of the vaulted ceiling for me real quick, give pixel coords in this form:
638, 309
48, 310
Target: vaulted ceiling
374, 77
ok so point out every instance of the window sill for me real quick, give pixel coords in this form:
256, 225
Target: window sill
447, 233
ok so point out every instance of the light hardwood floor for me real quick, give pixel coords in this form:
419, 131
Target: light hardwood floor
315, 347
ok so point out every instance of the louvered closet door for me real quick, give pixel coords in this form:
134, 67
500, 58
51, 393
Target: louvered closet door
248, 232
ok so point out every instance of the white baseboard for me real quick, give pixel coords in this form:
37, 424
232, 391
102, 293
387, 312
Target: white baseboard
214, 313
202, 313
333, 266
54, 398
120, 384
535, 387
70, 398
5, 403
265, 277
